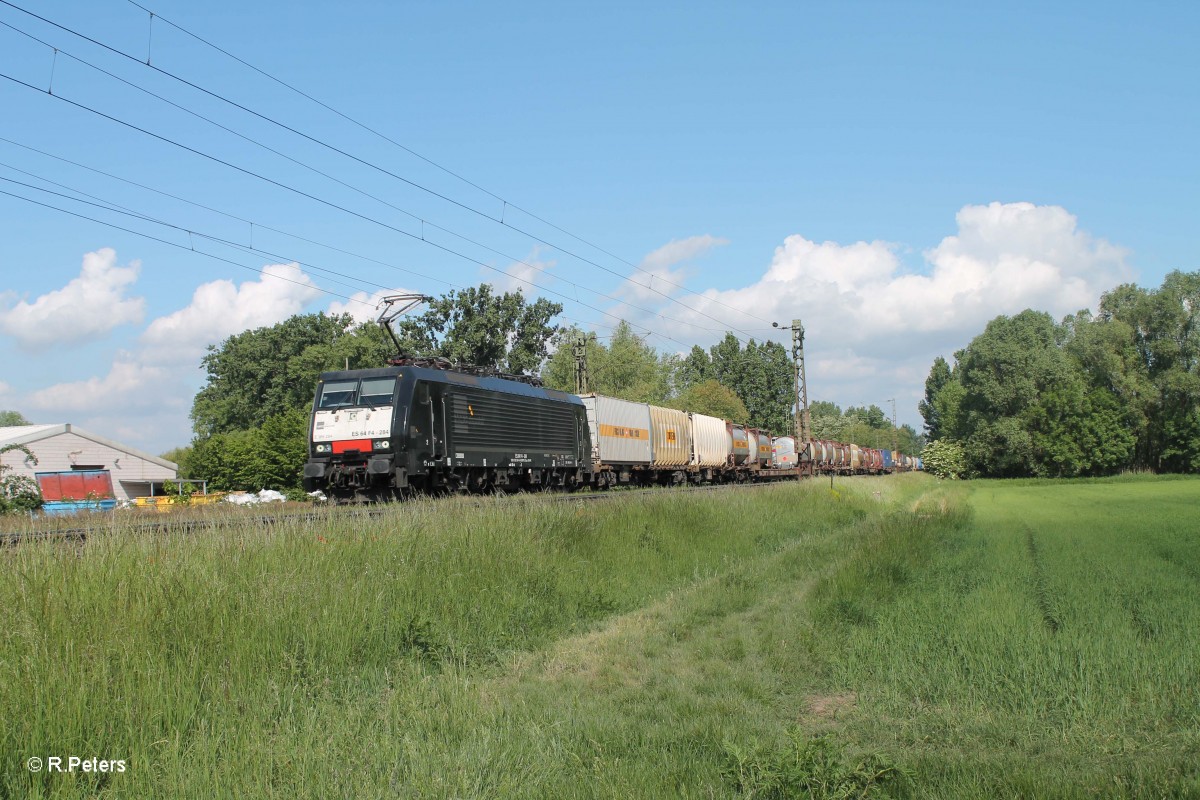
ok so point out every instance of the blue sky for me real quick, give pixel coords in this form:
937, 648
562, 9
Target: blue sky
893, 175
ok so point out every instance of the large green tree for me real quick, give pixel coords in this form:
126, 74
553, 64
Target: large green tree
942, 405
625, 366
1023, 402
1163, 384
761, 375
711, 398
267, 371
477, 327
269, 456
696, 367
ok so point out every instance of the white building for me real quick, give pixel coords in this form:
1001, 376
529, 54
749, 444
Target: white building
67, 448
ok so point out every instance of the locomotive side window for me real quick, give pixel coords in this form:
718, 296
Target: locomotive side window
336, 394
377, 391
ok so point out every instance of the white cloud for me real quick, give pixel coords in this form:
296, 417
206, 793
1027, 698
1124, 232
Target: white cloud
88, 306
145, 396
655, 276
128, 386
220, 309
873, 327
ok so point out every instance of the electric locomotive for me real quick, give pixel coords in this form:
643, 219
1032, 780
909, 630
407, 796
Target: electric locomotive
380, 434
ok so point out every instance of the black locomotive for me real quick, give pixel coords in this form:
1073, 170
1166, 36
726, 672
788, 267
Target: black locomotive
379, 434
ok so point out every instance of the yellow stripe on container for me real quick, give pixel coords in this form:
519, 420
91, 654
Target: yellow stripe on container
641, 434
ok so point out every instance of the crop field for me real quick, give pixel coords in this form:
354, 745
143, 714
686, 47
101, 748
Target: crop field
888, 637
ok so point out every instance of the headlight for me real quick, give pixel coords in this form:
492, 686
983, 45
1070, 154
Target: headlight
381, 444
322, 448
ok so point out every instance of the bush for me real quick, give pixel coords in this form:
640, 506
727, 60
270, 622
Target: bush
945, 458
18, 493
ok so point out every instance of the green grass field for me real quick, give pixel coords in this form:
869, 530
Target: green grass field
893, 637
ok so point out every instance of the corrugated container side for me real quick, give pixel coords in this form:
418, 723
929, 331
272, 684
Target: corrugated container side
620, 430
672, 437
88, 484
710, 441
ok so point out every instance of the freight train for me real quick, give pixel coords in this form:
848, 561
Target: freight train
420, 427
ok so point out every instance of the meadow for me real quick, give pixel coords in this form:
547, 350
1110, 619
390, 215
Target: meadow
889, 637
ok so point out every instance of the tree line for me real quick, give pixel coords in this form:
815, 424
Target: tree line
1094, 394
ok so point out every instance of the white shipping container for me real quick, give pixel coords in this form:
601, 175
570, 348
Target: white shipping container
620, 430
711, 446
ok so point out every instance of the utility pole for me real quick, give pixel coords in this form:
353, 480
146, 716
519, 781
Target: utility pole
803, 421
579, 349
895, 430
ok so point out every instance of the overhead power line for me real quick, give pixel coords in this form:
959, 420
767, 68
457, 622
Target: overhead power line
448, 250
191, 248
506, 203
649, 287
237, 245
251, 140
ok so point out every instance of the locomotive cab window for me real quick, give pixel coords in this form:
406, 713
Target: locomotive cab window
336, 394
377, 391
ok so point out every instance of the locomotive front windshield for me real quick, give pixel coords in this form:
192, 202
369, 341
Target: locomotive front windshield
366, 392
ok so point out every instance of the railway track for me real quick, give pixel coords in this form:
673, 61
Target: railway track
187, 526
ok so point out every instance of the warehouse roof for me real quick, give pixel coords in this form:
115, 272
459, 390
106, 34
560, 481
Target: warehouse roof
27, 434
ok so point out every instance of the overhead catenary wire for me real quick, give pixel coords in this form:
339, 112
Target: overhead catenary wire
337, 206
252, 223
169, 243
326, 175
505, 203
237, 245
192, 249
649, 286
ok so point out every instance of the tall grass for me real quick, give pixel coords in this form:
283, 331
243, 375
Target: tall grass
232, 660
889, 637
1048, 648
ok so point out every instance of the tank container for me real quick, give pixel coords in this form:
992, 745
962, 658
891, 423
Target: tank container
785, 456
741, 444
